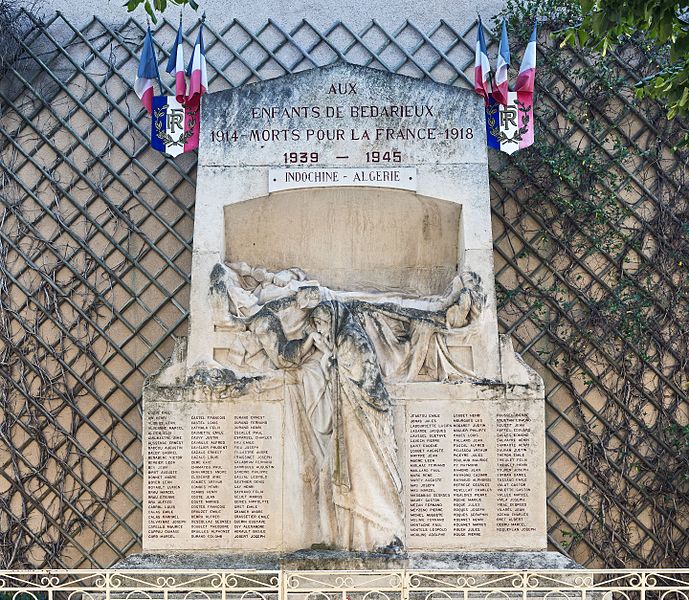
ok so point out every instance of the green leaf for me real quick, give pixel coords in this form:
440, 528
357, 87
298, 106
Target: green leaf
193, 4
568, 38
685, 97
151, 13
665, 29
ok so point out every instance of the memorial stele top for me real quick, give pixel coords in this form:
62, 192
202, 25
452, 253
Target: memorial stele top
342, 127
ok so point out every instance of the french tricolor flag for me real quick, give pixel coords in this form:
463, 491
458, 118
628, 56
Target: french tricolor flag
482, 83
527, 70
501, 87
147, 73
198, 75
175, 64
509, 119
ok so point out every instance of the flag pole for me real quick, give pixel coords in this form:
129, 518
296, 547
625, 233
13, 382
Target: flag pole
490, 73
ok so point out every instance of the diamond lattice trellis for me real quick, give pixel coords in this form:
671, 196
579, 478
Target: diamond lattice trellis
96, 235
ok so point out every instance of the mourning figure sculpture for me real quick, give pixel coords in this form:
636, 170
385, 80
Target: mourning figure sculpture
335, 351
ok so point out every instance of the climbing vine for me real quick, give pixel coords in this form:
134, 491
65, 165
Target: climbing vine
602, 269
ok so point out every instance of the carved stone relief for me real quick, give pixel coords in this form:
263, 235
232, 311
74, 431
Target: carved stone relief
410, 338
336, 350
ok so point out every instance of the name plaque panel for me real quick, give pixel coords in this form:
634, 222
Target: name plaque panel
217, 471
403, 178
213, 475
474, 474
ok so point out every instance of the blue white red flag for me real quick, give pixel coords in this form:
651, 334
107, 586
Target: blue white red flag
482, 83
510, 127
147, 73
501, 89
197, 72
509, 115
175, 126
527, 70
175, 64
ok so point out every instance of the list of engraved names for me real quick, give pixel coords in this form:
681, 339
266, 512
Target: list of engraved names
468, 473
213, 475
209, 470
165, 450
253, 464
512, 434
448, 475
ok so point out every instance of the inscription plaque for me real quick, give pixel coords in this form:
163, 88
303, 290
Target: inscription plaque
213, 474
165, 460
467, 486
403, 178
380, 122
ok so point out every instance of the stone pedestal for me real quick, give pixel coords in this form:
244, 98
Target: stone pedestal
324, 560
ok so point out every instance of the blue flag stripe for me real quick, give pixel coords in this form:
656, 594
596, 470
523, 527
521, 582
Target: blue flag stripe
172, 61
199, 43
504, 43
156, 142
148, 65
492, 140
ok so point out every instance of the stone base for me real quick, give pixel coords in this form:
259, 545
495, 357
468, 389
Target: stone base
311, 560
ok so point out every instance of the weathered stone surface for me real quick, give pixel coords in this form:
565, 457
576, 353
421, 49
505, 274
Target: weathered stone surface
344, 385
214, 474
353, 245
359, 254
473, 473
470, 459
334, 560
343, 110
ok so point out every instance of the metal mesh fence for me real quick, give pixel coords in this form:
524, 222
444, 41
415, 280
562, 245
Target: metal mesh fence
95, 252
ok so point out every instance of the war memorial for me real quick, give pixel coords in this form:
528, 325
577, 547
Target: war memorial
339, 309
344, 385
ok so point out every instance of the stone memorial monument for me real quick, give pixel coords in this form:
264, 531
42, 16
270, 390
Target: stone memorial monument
344, 385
